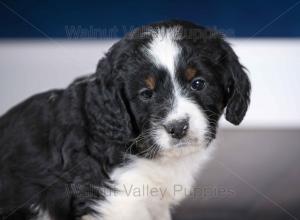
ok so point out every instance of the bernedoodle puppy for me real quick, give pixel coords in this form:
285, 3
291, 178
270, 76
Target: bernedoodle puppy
146, 119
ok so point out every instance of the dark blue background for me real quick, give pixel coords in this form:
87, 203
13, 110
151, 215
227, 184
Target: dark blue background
235, 18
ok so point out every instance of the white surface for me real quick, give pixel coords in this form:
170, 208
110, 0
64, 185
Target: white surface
28, 67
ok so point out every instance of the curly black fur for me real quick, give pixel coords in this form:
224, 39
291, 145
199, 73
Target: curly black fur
59, 146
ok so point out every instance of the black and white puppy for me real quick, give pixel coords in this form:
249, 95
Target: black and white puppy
144, 120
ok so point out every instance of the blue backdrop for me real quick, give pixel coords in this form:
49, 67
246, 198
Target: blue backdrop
82, 19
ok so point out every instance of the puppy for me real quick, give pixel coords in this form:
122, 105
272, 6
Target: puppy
127, 141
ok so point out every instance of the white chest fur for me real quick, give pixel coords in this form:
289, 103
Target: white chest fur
146, 189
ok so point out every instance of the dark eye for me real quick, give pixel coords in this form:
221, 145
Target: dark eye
146, 94
198, 84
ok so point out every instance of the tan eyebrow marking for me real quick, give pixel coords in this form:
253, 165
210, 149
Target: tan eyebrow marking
190, 73
150, 82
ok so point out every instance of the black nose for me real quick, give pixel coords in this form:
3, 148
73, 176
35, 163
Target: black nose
177, 129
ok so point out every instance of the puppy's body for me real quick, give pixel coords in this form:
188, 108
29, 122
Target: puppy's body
144, 120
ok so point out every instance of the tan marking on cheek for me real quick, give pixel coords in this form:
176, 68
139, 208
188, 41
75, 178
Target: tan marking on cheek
150, 82
190, 73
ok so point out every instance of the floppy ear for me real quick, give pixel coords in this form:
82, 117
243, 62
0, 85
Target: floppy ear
238, 88
107, 107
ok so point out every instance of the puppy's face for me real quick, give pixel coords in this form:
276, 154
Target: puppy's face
178, 86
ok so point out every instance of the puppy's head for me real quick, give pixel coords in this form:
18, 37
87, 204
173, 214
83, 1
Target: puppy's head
176, 79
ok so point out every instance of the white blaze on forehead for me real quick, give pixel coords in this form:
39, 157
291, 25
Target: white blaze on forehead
163, 49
